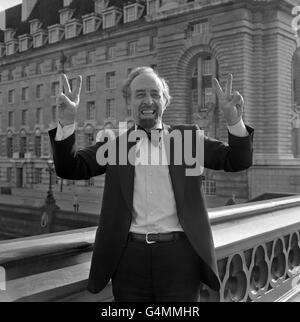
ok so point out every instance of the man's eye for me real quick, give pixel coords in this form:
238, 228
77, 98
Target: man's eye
155, 95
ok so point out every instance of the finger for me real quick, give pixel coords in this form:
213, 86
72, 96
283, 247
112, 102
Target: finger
237, 99
77, 88
228, 89
65, 84
217, 87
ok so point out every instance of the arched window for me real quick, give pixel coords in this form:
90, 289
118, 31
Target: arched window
203, 70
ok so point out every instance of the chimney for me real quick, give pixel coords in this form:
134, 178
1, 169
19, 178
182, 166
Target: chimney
27, 6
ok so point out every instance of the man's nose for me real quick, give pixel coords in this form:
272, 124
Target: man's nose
148, 100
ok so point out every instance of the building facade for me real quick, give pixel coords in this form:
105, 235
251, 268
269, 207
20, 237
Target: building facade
188, 42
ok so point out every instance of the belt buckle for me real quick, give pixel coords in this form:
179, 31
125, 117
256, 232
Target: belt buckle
147, 240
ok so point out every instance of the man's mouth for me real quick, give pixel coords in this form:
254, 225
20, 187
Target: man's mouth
149, 113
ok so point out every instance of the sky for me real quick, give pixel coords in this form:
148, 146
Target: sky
4, 4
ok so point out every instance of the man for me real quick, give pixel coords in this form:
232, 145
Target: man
154, 238
75, 203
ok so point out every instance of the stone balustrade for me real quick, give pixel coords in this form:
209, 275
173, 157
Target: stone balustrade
257, 246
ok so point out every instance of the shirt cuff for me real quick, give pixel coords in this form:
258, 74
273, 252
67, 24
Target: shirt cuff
63, 133
239, 129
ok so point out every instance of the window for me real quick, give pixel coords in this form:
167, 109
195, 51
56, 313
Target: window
10, 75
208, 93
11, 96
207, 67
25, 91
38, 116
88, 26
10, 49
39, 91
132, 48
54, 88
90, 111
200, 28
38, 175
153, 43
109, 20
195, 96
91, 83
10, 147
39, 68
38, 146
23, 44
111, 52
72, 61
89, 138
11, 118
23, 146
110, 80
151, 7
9, 175
37, 40
130, 14
24, 117
110, 107
90, 57
56, 64
70, 30
54, 113
53, 36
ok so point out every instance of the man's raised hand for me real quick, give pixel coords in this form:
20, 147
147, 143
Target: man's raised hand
68, 101
231, 103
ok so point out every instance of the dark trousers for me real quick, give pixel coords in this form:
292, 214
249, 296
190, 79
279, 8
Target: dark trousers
160, 272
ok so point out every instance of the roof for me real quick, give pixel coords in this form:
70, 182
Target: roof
47, 11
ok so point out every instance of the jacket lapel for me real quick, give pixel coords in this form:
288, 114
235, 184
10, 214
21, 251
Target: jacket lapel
126, 174
177, 172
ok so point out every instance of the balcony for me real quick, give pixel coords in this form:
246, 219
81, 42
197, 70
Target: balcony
257, 246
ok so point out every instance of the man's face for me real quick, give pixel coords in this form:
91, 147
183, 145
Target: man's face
147, 100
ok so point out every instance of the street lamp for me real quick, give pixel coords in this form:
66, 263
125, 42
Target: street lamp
50, 198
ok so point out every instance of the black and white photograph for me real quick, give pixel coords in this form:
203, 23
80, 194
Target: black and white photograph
149, 152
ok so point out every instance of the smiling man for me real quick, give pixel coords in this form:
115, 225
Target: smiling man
154, 238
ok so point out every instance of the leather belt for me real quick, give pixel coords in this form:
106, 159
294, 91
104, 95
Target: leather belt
151, 238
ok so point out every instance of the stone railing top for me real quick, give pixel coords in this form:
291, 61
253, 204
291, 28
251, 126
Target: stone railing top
229, 213
20, 248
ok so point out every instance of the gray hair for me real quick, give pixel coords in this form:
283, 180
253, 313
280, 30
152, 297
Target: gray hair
141, 70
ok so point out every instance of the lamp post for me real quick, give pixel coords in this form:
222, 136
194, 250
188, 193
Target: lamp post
50, 198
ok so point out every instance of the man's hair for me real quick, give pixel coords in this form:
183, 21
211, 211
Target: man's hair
143, 70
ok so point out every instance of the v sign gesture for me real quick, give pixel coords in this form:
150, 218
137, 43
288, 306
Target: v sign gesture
231, 103
68, 101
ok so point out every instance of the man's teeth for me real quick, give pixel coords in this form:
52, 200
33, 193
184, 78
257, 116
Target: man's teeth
148, 112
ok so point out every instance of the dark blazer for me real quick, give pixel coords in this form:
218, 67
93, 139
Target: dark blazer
117, 205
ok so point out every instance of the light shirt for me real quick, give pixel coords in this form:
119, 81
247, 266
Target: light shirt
154, 206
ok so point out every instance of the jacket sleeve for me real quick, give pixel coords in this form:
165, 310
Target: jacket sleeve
74, 164
232, 157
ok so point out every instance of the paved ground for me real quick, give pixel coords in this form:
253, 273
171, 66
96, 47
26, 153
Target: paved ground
89, 198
